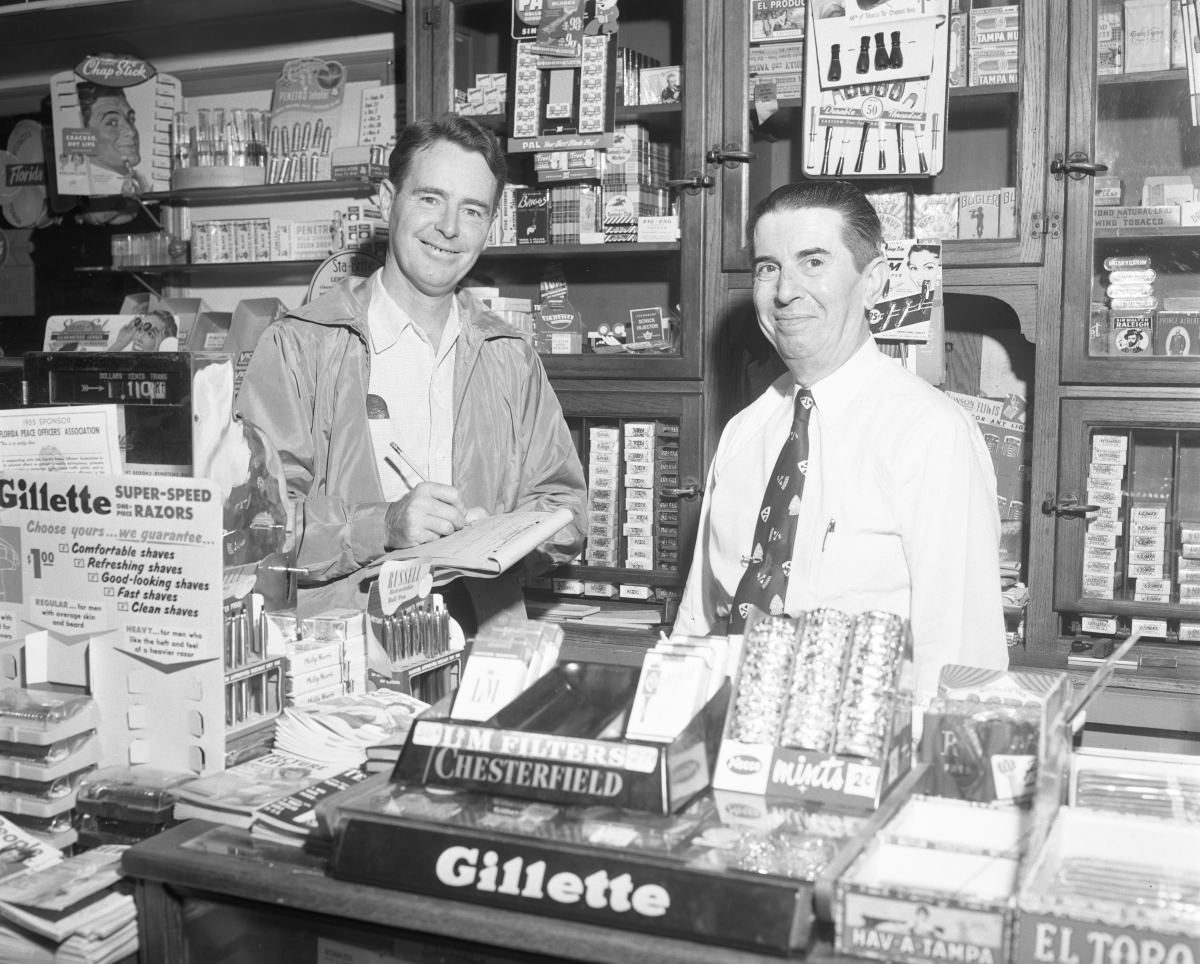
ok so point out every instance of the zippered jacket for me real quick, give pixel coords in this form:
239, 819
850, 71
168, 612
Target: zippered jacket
306, 388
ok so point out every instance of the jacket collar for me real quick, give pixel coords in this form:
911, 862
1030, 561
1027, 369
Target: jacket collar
345, 305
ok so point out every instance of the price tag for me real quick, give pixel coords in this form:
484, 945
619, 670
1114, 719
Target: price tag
402, 582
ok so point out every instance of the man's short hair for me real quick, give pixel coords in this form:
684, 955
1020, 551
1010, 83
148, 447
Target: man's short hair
861, 231
455, 129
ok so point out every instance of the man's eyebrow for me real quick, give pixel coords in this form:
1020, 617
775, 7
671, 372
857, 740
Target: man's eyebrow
418, 189
808, 252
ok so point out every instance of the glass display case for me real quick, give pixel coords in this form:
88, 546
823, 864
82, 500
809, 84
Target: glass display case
1133, 262
1129, 554
993, 119
655, 45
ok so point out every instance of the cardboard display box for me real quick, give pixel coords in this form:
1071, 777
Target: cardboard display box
524, 750
1068, 909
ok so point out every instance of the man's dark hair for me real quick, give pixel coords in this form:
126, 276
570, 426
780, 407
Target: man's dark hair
89, 92
861, 230
454, 129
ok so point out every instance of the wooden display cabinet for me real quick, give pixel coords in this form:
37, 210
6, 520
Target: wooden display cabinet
1094, 382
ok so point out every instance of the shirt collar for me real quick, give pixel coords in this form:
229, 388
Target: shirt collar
387, 321
839, 390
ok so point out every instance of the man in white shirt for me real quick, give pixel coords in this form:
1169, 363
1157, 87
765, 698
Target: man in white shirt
898, 511
401, 408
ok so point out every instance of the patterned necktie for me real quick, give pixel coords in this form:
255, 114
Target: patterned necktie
764, 583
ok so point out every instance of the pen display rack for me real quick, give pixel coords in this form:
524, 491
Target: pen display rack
561, 741
218, 148
875, 87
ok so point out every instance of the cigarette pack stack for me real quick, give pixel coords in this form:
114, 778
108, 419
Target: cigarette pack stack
48, 744
1105, 539
650, 525
604, 489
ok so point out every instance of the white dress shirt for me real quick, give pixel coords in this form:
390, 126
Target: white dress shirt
415, 379
898, 513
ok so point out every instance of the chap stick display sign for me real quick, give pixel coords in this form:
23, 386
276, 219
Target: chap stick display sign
112, 126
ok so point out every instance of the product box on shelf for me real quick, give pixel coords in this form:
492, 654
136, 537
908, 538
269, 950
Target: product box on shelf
1111, 886
822, 709
561, 741
737, 870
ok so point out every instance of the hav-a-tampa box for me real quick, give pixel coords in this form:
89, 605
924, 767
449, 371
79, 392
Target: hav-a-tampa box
936, 883
561, 742
738, 873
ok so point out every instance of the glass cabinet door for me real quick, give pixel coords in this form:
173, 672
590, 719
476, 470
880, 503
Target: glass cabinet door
655, 56
1133, 261
1128, 559
994, 131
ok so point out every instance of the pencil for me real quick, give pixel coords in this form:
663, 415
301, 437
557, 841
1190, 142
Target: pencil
408, 462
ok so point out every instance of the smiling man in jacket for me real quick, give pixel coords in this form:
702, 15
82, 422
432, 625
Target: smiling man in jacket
401, 408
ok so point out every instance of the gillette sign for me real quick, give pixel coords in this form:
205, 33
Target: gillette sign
487, 873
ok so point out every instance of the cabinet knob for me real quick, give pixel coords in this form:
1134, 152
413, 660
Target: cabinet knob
693, 182
1076, 166
1068, 506
689, 491
729, 155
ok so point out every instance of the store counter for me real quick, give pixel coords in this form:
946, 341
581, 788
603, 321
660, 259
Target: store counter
212, 893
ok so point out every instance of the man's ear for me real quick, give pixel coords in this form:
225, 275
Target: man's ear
387, 194
876, 278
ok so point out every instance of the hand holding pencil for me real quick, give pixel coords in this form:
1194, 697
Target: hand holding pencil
429, 511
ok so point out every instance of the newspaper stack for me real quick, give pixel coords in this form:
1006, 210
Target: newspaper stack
69, 911
339, 730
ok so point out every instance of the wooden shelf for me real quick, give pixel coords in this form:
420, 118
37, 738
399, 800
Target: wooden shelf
1145, 234
1174, 75
579, 250
261, 272
263, 193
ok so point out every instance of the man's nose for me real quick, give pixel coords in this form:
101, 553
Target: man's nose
790, 287
448, 222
